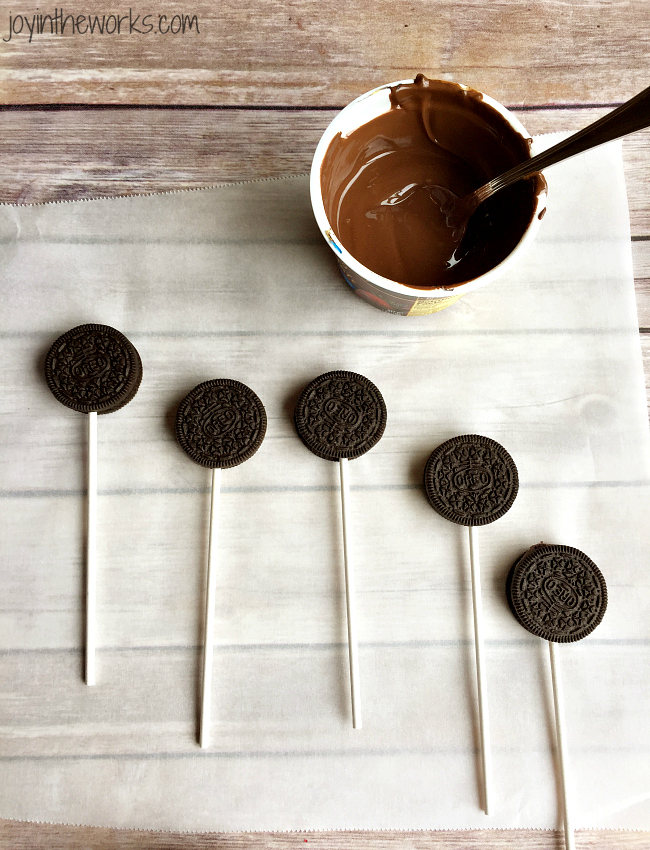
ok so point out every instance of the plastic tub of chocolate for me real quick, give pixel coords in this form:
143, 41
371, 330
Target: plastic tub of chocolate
375, 182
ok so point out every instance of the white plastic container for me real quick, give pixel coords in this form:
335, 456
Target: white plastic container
385, 294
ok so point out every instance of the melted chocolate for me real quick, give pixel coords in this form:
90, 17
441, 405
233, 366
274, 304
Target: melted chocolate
379, 186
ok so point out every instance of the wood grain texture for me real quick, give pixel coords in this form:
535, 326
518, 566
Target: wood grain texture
642, 286
545, 51
68, 154
28, 836
645, 351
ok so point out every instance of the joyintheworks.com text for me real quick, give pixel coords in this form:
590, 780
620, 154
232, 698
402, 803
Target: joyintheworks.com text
133, 23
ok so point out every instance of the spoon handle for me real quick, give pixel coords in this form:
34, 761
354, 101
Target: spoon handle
628, 118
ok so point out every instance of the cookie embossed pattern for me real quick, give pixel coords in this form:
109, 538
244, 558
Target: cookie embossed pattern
93, 368
340, 415
471, 480
220, 423
557, 593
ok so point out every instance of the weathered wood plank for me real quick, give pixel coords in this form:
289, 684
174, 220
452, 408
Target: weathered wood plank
27, 836
267, 52
642, 287
53, 155
645, 351
636, 156
69, 155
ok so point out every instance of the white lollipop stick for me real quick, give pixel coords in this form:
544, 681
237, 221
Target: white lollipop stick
483, 714
558, 702
91, 549
353, 650
208, 631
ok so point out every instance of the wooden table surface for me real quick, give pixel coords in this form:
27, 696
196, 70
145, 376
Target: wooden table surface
226, 92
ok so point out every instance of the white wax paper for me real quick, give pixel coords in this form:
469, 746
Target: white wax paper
237, 282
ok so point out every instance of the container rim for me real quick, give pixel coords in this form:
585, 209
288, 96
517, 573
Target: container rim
358, 112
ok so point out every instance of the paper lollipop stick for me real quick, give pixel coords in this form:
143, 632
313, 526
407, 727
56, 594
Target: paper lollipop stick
481, 680
472, 480
219, 424
91, 549
560, 725
340, 416
559, 594
92, 369
350, 601
210, 600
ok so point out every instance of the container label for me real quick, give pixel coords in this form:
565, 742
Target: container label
424, 306
392, 302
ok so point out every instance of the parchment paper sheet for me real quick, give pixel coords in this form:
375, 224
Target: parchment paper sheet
236, 282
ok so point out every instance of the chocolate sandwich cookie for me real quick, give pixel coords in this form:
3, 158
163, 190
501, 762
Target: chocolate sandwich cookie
220, 423
471, 480
556, 592
340, 415
93, 368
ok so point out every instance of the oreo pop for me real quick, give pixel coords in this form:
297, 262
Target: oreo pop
341, 416
93, 369
557, 593
219, 425
472, 480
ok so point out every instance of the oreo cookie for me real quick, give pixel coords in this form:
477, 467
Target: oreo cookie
220, 423
556, 592
340, 415
471, 480
93, 368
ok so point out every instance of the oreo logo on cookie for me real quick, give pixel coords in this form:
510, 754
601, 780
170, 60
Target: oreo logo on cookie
93, 368
340, 412
557, 593
220, 423
90, 364
471, 480
340, 415
220, 420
